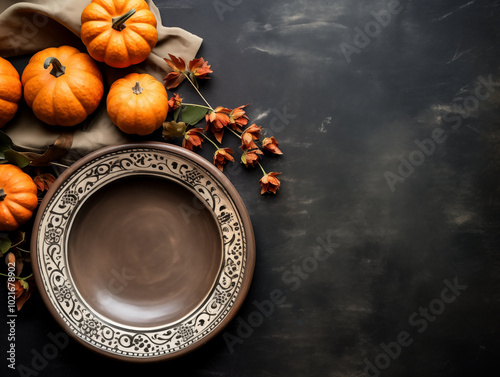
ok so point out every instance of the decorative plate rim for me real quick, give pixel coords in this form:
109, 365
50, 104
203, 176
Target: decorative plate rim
53, 224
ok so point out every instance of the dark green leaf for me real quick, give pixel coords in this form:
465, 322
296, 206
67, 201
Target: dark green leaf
176, 113
4, 244
5, 142
16, 158
193, 114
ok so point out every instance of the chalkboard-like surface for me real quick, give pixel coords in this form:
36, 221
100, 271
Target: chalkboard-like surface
379, 254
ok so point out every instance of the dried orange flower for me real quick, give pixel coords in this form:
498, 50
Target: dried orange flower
247, 138
221, 156
22, 292
174, 102
217, 120
10, 258
250, 157
177, 64
270, 183
199, 68
44, 181
193, 138
237, 118
174, 78
270, 144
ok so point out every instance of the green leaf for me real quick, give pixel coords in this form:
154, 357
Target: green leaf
5, 142
5, 245
16, 158
176, 113
193, 114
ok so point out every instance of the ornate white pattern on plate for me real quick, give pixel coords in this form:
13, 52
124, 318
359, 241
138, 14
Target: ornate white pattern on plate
93, 328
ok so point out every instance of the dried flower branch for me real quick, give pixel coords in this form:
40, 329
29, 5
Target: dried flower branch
218, 120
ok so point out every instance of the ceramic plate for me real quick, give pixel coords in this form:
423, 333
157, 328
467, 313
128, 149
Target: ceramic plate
143, 251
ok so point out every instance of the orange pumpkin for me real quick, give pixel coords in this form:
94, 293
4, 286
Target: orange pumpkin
137, 103
119, 33
68, 92
10, 91
18, 197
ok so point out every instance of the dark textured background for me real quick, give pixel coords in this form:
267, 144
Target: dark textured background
347, 124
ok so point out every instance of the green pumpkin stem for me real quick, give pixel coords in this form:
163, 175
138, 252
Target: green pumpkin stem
119, 22
137, 88
3, 194
57, 68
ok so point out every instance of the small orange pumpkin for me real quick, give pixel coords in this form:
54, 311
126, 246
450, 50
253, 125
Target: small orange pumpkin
137, 103
119, 33
10, 91
66, 94
18, 197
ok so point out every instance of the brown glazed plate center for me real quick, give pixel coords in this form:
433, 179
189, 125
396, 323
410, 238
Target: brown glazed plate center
143, 252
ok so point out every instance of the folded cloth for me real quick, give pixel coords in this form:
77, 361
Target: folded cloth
30, 26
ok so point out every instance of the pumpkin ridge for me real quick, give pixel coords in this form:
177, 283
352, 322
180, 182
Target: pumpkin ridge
74, 70
28, 75
87, 98
149, 97
63, 99
96, 11
7, 106
117, 34
139, 29
16, 182
139, 5
92, 29
152, 110
54, 115
8, 69
17, 186
25, 200
36, 103
143, 16
111, 4
8, 220
101, 39
124, 116
34, 82
135, 47
10, 89
7, 173
64, 55
149, 42
7, 111
148, 92
17, 210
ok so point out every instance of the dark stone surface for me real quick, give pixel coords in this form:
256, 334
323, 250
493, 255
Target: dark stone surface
388, 255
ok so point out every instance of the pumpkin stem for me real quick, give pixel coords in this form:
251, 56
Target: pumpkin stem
57, 68
3, 194
119, 22
137, 88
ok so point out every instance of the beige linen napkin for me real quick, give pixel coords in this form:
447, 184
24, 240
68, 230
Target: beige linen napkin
30, 26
